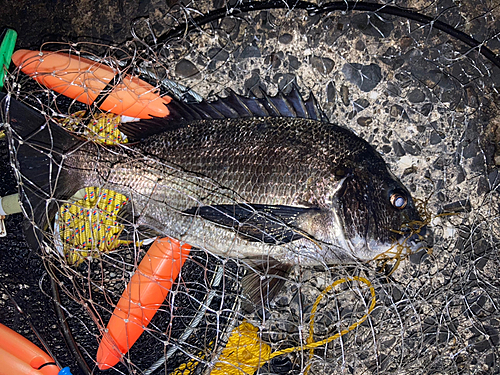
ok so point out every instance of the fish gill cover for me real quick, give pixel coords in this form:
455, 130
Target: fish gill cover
425, 99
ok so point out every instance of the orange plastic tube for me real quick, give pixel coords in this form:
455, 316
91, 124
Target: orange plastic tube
21, 357
144, 294
83, 80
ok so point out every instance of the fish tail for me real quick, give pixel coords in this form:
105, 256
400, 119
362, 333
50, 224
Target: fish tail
38, 153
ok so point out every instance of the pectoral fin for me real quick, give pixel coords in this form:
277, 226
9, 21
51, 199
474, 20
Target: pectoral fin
132, 232
272, 224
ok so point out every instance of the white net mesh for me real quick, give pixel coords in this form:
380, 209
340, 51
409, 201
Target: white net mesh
422, 97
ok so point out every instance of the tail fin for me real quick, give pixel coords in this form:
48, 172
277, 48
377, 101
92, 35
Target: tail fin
37, 149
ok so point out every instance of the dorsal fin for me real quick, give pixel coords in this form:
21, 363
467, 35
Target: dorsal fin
232, 106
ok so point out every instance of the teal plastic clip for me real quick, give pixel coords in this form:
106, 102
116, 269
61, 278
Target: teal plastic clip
6, 50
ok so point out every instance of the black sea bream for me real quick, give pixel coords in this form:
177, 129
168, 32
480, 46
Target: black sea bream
258, 178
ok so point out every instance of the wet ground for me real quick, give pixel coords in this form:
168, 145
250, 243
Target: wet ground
425, 100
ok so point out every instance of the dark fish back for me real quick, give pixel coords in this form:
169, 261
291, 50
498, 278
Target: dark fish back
265, 160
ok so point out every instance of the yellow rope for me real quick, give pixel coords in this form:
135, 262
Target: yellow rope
245, 352
91, 225
103, 127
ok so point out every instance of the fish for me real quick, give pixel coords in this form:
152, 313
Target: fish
267, 179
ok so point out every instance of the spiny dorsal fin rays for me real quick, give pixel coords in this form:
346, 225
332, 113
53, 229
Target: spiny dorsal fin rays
240, 105
313, 109
232, 106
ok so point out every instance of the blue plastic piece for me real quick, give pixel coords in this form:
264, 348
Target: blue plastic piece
65, 371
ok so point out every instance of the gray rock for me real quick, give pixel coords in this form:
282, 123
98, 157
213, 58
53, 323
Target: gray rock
396, 110
218, 54
494, 179
372, 24
274, 59
397, 294
398, 149
458, 206
360, 46
444, 80
284, 84
344, 94
460, 177
277, 77
231, 26
187, 69
471, 150
426, 109
472, 97
293, 62
366, 77
435, 138
364, 121
323, 65
393, 89
404, 80
416, 96
285, 38
392, 58
418, 257
250, 51
331, 92
360, 104
410, 170
412, 148
386, 149
251, 82
483, 186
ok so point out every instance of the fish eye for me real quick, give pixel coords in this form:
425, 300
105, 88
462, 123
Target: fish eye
399, 201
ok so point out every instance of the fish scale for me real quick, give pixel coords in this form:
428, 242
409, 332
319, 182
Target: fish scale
265, 186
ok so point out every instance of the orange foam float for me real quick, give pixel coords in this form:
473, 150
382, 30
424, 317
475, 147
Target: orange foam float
21, 357
85, 81
144, 294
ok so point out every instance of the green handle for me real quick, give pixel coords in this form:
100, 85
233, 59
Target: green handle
6, 50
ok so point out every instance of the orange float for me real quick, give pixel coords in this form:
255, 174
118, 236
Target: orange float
85, 80
144, 294
21, 357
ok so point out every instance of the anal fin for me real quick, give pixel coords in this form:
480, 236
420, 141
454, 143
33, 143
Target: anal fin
264, 280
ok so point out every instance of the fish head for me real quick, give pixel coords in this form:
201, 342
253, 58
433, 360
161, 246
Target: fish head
376, 214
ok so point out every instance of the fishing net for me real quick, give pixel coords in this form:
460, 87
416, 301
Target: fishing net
424, 95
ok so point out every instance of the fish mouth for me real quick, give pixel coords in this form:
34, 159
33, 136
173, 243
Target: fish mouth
407, 242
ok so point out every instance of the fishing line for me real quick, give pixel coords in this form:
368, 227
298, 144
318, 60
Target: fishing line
314, 9
245, 351
311, 344
218, 275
